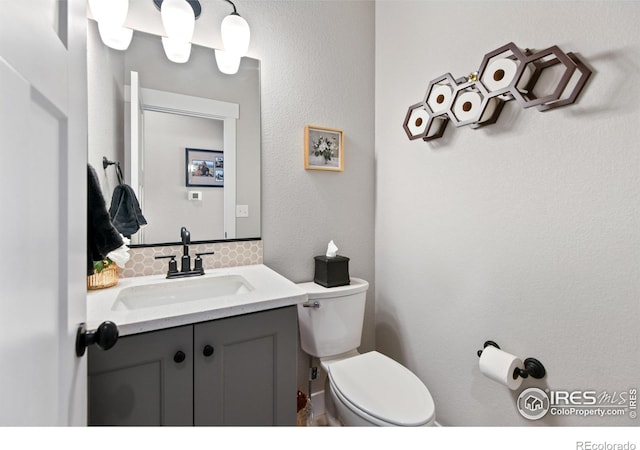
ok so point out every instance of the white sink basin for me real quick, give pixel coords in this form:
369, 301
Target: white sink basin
170, 292
152, 302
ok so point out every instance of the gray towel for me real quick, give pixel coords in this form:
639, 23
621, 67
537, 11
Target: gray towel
125, 211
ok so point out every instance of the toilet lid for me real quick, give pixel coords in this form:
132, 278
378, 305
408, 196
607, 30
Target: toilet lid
383, 388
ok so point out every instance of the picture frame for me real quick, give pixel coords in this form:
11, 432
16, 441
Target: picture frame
204, 168
323, 148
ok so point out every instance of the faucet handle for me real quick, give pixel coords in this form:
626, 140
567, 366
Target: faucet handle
164, 256
173, 265
198, 261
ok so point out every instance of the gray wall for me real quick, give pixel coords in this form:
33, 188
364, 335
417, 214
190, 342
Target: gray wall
317, 68
105, 83
525, 232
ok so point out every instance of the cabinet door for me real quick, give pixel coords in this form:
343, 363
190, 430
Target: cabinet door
138, 382
250, 379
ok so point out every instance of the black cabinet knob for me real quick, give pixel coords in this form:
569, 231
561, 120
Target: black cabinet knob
179, 356
207, 350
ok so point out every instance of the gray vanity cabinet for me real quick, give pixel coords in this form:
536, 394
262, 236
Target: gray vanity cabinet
236, 371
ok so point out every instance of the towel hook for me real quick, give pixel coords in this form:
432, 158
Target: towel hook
106, 163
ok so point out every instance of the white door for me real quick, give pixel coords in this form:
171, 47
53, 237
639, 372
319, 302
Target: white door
43, 211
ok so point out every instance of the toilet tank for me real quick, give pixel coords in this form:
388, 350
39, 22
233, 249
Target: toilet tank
335, 325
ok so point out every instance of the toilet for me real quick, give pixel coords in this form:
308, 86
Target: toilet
368, 389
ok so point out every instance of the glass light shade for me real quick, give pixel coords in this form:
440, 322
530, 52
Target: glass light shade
236, 35
228, 63
176, 51
178, 19
110, 12
116, 37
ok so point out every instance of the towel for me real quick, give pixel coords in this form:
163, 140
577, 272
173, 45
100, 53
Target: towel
125, 211
102, 237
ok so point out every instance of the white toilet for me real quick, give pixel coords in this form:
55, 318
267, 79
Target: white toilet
367, 389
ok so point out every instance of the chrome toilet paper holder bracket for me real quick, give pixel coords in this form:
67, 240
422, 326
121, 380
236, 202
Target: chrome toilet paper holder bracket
532, 367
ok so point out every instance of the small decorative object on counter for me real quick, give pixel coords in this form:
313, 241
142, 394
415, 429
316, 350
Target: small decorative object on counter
105, 275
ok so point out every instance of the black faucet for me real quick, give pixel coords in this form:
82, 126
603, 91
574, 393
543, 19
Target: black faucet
186, 259
185, 268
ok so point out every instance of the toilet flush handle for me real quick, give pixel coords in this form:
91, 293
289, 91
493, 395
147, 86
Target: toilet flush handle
315, 304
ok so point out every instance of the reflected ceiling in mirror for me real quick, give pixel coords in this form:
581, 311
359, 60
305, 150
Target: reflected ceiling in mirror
110, 135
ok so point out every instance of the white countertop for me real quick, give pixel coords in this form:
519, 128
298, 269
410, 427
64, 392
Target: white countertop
270, 290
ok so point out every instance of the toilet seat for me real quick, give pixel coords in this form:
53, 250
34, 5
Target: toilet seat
382, 391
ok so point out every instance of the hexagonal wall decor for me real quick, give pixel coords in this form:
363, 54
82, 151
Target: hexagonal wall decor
421, 123
499, 68
440, 94
547, 79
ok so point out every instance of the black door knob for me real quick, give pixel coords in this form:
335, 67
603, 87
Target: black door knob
179, 356
105, 337
207, 350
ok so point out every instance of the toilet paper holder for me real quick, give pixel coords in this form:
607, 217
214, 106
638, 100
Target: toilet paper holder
532, 367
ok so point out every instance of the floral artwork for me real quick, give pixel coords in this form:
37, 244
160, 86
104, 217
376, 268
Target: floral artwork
323, 149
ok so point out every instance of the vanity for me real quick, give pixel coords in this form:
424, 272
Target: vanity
218, 349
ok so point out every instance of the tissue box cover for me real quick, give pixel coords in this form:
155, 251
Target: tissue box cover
332, 272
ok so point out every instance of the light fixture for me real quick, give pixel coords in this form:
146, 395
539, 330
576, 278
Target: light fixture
110, 15
236, 34
228, 63
178, 20
176, 51
117, 38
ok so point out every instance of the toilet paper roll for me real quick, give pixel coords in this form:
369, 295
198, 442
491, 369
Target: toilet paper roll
499, 74
418, 121
467, 106
439, 98
499, 366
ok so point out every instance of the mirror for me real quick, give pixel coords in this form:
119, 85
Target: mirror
177, 107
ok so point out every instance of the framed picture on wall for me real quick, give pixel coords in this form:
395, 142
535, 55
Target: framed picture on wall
323, 148
204, 168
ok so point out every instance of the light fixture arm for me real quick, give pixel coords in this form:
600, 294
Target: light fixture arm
195, 5
235, 11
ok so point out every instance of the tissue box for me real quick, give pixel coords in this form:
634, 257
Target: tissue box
332, 272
